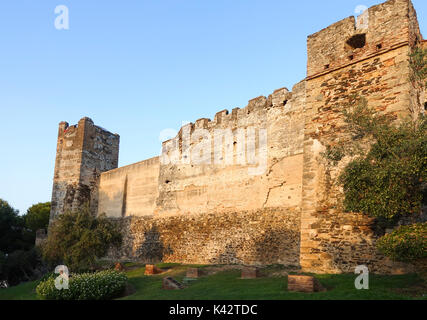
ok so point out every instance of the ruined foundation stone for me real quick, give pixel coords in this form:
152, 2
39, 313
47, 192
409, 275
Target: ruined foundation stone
193, 273
171, 284
250, 273
307, 284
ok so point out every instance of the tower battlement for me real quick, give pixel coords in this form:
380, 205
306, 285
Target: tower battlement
380, 28
214, 209
83, 152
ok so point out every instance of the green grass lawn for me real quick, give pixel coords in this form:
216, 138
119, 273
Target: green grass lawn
226, 285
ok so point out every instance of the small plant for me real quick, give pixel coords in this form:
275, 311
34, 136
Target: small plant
418, 64
406, 244
103, 285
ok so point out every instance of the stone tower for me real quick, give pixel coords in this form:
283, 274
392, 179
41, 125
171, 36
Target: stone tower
83, 152
365, 57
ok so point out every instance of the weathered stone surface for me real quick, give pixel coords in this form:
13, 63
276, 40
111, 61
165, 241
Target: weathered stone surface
253, 238
304, 284
333, 241
83, 152
171, 284
289, 212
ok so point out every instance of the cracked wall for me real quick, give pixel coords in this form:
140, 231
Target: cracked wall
289, 212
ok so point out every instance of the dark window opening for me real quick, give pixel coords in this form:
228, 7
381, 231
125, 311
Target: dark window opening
285, 102
167, 181
357, 41
425, 106
350, 57
327, 67
379, 46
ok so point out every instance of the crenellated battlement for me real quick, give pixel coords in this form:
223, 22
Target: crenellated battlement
381, 28
251, 185
83, 152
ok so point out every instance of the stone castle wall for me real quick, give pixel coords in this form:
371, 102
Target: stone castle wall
262, 237
217, 206
331, 240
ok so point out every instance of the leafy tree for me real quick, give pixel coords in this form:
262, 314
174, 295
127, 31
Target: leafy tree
37, 217
11, 229
21, 265
78, 239
387, 182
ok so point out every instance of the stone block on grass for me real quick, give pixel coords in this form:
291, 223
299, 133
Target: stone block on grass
250, 273
151, 269
193, 273
299, 283
171, 284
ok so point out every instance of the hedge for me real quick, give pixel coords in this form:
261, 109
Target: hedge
103, 285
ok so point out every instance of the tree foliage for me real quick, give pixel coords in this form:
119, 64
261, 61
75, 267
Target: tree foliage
418, 64
77, 239
387, 182
12, 230
37, 217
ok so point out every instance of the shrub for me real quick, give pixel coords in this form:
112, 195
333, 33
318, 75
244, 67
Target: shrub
77, 239
406, 244
21, 266
103, 285
389, 181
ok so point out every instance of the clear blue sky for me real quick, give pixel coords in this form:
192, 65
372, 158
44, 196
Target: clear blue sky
137, 67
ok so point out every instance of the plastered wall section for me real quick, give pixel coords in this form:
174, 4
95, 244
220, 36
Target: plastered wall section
130, 190
273, 182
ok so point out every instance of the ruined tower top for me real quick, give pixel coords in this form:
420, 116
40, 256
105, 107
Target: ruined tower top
380, 28
83, 152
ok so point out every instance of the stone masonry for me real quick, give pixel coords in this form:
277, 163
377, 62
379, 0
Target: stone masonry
232, 204
83, 152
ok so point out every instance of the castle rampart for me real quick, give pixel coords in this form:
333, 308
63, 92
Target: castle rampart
251, 185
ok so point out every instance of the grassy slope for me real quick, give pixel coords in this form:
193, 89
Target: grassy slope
226, 285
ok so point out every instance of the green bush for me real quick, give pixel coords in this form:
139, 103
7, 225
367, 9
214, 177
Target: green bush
389, 181
78, 239
21, 266
103, 285
407, 243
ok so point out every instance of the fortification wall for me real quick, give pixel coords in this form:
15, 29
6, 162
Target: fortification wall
275, 178
130, 190
332, 240
208, 210
262, 237
265, 194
